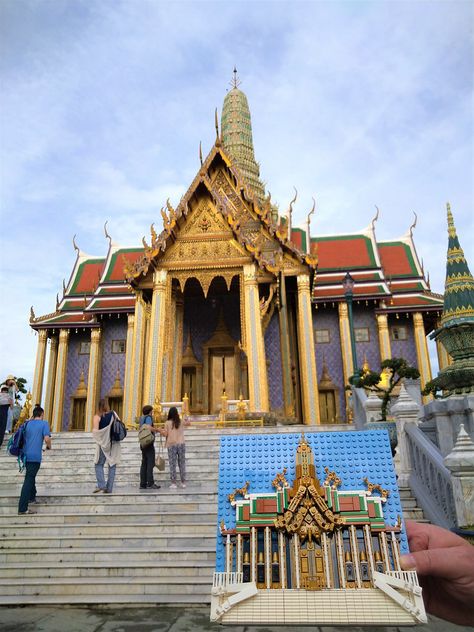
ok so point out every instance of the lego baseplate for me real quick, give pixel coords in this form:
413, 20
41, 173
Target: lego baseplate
310, 532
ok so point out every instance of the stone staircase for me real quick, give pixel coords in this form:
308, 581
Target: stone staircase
130, 547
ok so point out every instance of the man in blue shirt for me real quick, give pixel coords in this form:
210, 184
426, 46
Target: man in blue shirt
36, 431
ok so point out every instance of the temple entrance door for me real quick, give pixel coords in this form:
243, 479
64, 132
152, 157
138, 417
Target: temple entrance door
312, 567
78, 417
188, 386
327, 407
221, 371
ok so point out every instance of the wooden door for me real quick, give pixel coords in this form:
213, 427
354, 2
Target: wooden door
327, 407
78, 417
221, 373
188, 386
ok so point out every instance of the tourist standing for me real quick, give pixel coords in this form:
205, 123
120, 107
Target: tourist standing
107, 451
13, 390
36, 431
5, 404
148, 451
174, 433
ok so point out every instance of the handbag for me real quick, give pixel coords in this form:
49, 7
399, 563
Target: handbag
159, 461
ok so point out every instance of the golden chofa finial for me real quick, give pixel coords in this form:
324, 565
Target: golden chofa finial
200, 152
216, 123
107, 236
76, 247
375, 218
412, 227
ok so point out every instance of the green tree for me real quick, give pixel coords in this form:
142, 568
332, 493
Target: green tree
398, 368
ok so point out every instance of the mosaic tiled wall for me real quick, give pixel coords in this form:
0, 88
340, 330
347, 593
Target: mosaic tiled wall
403, 348
328, 318
365, 317
273, 357
113, 328
75, 363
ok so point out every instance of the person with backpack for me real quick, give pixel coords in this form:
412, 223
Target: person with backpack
36, 430
174, 433
107, 451
146, 437
5, 405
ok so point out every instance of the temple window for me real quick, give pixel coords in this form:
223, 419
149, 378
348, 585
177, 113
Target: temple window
322, 336
118, 346
362, 334
84, 348
399, 333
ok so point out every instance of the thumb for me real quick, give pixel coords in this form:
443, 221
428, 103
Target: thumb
435, 562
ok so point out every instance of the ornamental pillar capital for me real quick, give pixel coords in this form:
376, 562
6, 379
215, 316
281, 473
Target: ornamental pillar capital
418, 319
63, 336
302, 281
343, 312
53, 341
382, 321
95, 335
42, 335
159, 280
131, 321
250, 274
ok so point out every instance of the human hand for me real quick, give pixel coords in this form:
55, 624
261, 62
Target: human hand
445, 565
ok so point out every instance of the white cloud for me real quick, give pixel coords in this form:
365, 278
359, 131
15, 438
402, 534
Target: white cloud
104, 105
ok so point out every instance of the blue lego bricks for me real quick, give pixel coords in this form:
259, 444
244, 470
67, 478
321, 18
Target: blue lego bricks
352, 455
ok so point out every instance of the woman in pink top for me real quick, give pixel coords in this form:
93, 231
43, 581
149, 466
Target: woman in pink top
174, 433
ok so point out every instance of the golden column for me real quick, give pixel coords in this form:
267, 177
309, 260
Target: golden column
307, 353
255, 347
422, 354
384, 338
137, 357
49, 396
444, 359
93, 379
156, 344
127, 391
176, 353
346, 348
37, 389
59, 382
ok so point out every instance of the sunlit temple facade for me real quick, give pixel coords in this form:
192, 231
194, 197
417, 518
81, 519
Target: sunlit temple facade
231, 296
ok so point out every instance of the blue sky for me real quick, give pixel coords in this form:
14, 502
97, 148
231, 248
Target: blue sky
104, 104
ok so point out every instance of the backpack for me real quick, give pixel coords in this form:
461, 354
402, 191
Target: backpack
145, 436
16, 445
118, 432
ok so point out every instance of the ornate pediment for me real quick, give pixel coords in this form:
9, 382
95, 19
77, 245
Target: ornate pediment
219, 222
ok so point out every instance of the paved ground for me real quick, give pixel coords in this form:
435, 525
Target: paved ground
66, 619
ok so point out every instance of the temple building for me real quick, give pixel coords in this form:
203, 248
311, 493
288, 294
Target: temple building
230, 296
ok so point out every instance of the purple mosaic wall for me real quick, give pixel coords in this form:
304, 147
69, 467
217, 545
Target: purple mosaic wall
403, 348
113, 328
326, 318
365, 317
75, 363
273, 356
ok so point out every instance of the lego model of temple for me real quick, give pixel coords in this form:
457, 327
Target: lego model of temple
311, 552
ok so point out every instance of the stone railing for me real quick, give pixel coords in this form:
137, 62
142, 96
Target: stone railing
430, 479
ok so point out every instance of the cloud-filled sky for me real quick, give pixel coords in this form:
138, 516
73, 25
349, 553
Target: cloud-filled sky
104, 103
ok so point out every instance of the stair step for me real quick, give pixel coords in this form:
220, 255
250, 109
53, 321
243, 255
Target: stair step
159, 516
81, 541
187, 569
178, 600
124, 529
108, 554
